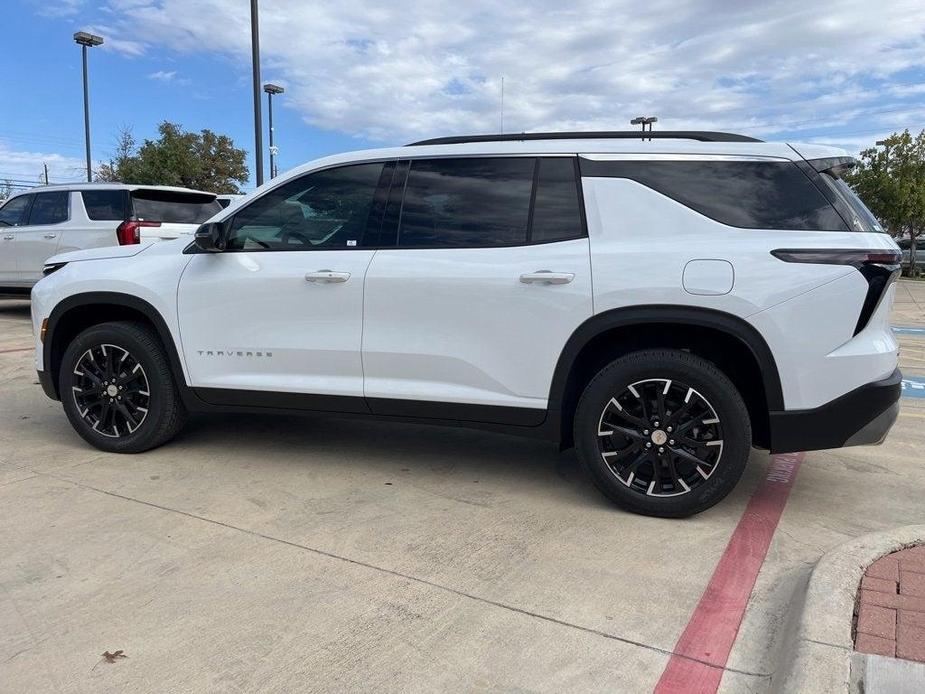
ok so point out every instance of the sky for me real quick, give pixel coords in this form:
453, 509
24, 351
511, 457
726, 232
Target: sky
360, 73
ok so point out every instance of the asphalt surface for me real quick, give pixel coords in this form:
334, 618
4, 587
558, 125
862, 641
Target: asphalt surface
324, 554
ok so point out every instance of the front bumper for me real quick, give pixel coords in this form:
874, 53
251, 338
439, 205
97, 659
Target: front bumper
861, 417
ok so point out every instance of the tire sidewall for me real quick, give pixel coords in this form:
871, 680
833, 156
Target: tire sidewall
151, 363
691, 371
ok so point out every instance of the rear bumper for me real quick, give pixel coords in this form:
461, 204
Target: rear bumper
48, 384
861, 417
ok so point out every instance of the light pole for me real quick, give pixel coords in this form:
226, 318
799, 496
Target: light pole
272, 89
255, 63
86, 41
644, 121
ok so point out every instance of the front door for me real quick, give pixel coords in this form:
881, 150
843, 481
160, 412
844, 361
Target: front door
276, 319
13, 213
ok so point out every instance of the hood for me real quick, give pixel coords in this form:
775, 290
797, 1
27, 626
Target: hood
99, 253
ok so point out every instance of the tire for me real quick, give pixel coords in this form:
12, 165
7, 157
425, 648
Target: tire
140, 391
703, 454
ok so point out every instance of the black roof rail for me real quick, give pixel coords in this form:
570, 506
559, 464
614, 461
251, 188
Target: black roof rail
699, 135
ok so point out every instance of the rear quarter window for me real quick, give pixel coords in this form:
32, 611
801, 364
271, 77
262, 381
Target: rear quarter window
105, 205
745, 194
173, 207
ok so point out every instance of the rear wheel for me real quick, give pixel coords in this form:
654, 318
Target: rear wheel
117, 389
663, 433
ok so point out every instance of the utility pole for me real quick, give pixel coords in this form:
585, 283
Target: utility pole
86, 41
45, 164
258, 122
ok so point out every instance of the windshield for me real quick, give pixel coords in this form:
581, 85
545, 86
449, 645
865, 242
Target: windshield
173, 207
860, 218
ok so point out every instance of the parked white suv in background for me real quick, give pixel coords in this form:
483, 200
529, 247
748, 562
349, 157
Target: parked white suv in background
661, 305
41, 222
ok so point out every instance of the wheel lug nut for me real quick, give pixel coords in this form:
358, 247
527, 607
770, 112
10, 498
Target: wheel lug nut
668, 430
661, 450
648, 445
671, 442
645, 431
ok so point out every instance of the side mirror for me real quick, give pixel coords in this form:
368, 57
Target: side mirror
210, 237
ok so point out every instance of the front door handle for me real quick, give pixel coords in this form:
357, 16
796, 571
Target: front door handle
547, 277
327, 276
49, 236
9, 237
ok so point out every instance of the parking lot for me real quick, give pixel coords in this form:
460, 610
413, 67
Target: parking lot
275, 554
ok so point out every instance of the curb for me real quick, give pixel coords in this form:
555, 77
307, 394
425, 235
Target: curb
818, 642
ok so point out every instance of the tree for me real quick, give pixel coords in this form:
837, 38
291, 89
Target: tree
6, 189
890, 178
204, 160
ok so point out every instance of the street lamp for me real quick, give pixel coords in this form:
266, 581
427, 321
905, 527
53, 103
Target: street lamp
255, 65
86, 40
644, 121
272, 89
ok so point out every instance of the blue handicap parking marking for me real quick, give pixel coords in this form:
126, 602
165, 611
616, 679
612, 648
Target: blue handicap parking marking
908, 331
914, 387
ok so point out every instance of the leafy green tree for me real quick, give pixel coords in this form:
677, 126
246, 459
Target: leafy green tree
6, 189
204, 160
890, 178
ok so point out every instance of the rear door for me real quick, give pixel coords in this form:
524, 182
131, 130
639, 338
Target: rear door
12, 215
173, 212
465, 318
37, 239
95, 215
276, 318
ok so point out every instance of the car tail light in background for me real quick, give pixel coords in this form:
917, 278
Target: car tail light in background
879, 268
129, 232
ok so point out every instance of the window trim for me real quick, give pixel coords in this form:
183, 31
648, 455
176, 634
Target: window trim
52, 224
583, 234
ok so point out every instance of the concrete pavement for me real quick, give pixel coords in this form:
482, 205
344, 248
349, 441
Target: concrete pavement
324, 554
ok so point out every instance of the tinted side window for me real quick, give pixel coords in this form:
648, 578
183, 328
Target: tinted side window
104, 205
49, 208
752, 195
556, 208
11, 214
327, 209
466, 202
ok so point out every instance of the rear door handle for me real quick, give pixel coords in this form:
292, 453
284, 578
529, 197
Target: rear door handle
49, 236
9, 237
547, 277
327, 276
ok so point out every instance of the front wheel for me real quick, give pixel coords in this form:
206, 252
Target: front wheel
663, 433
117, 389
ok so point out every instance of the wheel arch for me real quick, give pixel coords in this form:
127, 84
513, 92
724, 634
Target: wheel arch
78, 312
735, 346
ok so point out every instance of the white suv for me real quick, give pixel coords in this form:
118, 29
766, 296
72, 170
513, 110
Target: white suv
661, 305
39, 223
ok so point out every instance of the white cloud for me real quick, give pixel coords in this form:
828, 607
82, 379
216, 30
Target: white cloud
25, 167
59, 8
163, 75
399, 71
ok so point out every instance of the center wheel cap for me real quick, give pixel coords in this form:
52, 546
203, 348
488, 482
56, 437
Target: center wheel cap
659, 437
112, 391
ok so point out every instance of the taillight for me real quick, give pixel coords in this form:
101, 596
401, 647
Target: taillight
878, 267
838, 256
129, 231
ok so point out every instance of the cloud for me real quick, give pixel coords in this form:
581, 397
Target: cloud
25, 168
59, 8
398, 71
163, 76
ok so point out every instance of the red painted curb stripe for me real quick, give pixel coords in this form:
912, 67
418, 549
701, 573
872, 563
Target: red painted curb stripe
697, 662
16, 349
